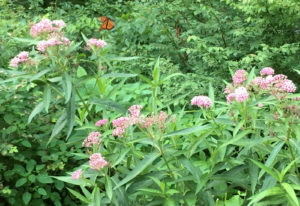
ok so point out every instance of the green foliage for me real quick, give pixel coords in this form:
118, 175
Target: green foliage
160, 54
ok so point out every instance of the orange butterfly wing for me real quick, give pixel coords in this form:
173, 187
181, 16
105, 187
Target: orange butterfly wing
107, 23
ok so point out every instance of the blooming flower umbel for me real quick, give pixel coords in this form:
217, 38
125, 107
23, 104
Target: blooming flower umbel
267, 71
20, 58
97, 162
76, 175
92, 139
241, 94
239, 77
201, 101
95, 42
101, 122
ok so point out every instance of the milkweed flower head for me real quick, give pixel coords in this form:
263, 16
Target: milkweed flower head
239, 77
20, 58
241, 94
120, 124
101, 122
43, 45
228, 89
97, 162
77, 174
46, 26
260, 105
230, 97
95, 42
201, 101
92, 139
288, 86
267, 71
59, 24
135, 111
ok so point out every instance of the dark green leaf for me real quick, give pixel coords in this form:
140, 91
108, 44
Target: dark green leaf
138, 169
26, 197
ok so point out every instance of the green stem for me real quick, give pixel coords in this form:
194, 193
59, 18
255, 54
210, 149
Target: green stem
292, 153
84, 104
170, 171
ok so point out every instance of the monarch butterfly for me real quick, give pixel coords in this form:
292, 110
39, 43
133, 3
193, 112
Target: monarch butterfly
107, 23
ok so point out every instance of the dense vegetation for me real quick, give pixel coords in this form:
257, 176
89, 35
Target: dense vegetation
182, 103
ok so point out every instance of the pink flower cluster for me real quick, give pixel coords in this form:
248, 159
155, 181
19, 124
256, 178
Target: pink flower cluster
101, 122
266, 82
274, 84
20, 58
97, 162
120, 124
201, 101
241, 94
135, 118
76, 175
267, 71
239, 77
46, 26
135, 111
92, 139
43, 45
95, 42
159, 120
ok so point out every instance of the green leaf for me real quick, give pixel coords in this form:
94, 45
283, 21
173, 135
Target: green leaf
253, 171
26, 143
121, 157
271, 157
291, 193
47, 97
156, 73
109, 104
236, 200
71, 114
108, 187
31, 178
142, 77
123, 58
96, 197
194, 171
170, 76
28, 42
238, 127
169, 202
189, 130
67, 86
30, 165
236, 138
118, 75
269, 192
68, 179
79, 196
152, 192
38, 75
250, 76
287, 168
21, 182
26, 197
42, 191
59, 125
266, 169
138, 169
81, 72
36, 111
44, 179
